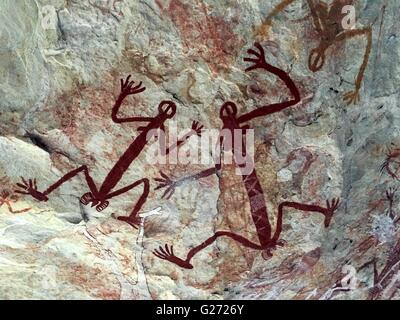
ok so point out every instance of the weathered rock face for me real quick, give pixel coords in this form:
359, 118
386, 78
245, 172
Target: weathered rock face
61, 62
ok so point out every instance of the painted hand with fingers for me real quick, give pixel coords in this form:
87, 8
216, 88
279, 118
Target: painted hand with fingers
127, 87
259, 58
166, 182
167, 253
331, 207
197, 128
390, 193
30, 188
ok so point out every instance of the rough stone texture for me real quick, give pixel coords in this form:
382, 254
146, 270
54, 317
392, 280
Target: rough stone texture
59, 81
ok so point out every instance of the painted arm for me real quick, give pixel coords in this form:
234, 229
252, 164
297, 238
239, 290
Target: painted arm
126, 90
259, 62
319, 14
354, 96
326, 212
196, 129
167, 182
263, 28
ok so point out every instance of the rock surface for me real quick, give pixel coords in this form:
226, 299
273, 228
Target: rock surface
60, 66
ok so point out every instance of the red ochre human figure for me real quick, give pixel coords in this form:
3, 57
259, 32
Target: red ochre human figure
231, 121
327, 20
98, 197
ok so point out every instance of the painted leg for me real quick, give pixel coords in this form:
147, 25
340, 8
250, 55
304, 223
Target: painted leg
354, 96
167, 253
11, 210
326, 212
133, 219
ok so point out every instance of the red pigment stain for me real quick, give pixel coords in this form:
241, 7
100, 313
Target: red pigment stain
211, 36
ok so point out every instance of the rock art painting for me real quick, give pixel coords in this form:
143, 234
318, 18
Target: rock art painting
199, 149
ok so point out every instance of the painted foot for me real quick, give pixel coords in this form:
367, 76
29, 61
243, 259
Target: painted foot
352, 97
267, 252
168, 254
197, 128
132, 221
87, 198
102, 205
127, 87
166, 182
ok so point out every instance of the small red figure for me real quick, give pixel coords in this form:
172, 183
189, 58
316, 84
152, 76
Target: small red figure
231, 121
99, 197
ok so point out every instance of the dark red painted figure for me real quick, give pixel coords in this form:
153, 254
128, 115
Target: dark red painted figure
99, 197
231, 121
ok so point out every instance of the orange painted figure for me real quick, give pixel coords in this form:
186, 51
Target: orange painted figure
7, 199
327, 20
